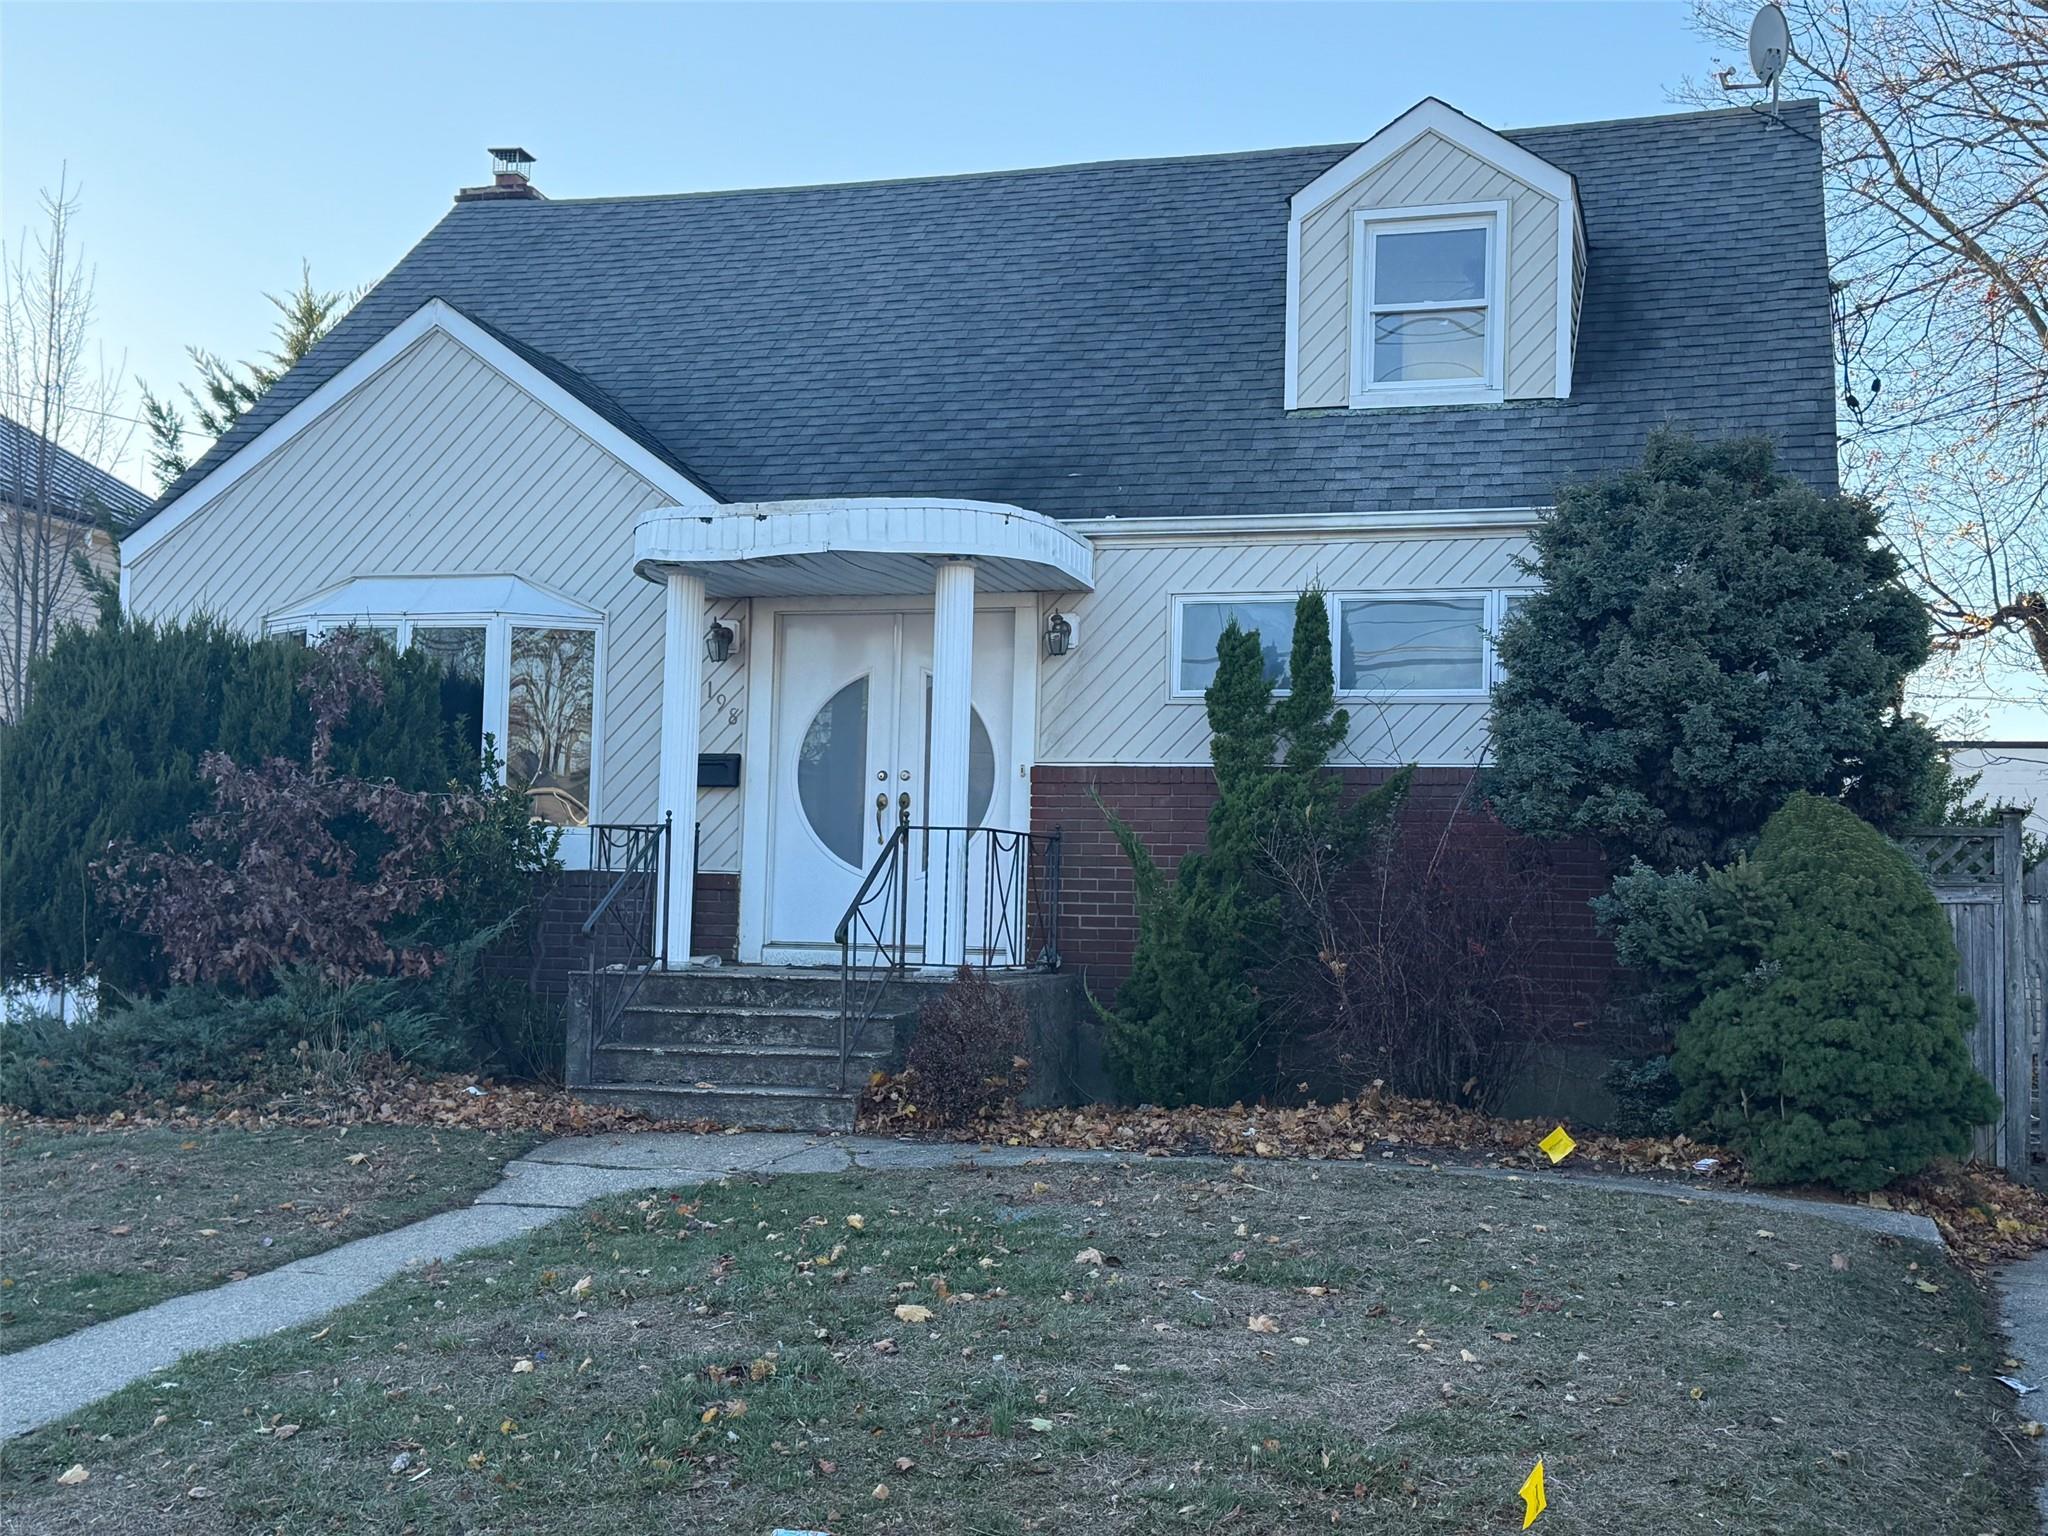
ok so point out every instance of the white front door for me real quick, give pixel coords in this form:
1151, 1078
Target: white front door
850, 755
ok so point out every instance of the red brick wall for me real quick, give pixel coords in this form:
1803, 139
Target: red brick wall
552, 945
716, 915
1169, 810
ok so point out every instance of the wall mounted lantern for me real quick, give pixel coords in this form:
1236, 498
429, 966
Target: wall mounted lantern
1059, 634
718, 641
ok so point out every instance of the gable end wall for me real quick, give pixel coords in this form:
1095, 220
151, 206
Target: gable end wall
439, 465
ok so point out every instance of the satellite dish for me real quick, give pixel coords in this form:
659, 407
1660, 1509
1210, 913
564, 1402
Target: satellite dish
1770, 45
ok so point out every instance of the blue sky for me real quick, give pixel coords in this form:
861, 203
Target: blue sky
217, 145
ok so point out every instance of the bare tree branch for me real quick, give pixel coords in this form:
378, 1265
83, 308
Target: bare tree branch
64, 398
1934, 143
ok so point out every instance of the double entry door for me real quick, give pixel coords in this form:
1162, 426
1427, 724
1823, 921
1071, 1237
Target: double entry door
851, 758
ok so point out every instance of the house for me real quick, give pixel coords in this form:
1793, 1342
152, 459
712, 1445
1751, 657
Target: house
2008, 773
804, 514
54, 506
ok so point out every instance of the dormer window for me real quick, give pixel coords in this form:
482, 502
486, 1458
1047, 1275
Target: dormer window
1439, 263
1427, 324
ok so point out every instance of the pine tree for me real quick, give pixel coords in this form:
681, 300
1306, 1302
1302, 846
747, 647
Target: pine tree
1832, 1046
225, 389
1189, 1022
108, 751
1712, 635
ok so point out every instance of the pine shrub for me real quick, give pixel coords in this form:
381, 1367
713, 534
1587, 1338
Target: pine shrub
1837, 1053
307, 1035
1186, 1020
1712, 636
108, 752
1191, 1019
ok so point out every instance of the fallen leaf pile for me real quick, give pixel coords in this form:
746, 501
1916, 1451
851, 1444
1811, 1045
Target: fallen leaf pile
392, 1096
1376, 1126
1985, 1217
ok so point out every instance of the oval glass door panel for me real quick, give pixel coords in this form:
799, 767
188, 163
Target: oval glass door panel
831, 770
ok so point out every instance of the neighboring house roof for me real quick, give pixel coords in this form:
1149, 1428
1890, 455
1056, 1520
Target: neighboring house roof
1108, 339
75, 484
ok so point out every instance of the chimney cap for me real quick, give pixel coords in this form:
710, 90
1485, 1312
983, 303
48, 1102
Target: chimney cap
511, 177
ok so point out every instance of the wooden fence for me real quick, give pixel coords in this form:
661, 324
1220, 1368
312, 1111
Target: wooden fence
1999, 915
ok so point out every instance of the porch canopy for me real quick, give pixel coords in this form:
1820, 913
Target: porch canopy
842, 547
860, 547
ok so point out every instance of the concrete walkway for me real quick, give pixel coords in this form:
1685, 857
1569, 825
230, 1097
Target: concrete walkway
42, 1385
2023, 1314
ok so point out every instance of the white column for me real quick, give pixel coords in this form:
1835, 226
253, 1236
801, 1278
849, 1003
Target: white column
946, 795
682, 715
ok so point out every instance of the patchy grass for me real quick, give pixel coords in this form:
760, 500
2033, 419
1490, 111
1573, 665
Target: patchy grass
737, 1361
92, 1226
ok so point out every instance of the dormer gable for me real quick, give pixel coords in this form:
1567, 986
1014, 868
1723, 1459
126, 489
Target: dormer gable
1438, 263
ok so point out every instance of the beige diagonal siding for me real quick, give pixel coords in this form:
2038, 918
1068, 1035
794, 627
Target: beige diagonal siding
439, 465
1432, 171
1110, 700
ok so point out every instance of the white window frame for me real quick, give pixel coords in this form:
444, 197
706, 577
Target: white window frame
1499, 616
1493, 612
1489, 611
1181, 602
1367, 224
449, 603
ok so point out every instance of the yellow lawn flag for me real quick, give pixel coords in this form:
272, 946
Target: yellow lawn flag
1558, 1144
1532, 1495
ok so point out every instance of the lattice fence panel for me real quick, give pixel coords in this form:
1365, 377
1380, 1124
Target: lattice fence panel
1954, 856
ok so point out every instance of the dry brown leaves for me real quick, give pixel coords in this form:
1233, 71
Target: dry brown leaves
1986, 1218
1377, 1126
391, 1097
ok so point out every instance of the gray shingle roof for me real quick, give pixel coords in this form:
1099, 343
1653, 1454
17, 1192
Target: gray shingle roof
75, 486
1107, 339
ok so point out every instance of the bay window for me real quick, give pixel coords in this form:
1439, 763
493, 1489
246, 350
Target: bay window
520, 664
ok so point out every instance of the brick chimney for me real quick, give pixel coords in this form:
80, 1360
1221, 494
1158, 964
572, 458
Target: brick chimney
511, 177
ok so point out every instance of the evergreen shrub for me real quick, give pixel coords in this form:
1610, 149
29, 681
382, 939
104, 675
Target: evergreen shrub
1712, 635
1832, 1046
1191, 1019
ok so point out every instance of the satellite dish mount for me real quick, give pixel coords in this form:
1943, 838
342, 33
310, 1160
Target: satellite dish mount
1770, 48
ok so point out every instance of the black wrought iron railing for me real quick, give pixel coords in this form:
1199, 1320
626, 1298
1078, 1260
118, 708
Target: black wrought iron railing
942, 897
626, 934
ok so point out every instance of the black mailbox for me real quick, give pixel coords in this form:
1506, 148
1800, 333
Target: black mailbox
718, 770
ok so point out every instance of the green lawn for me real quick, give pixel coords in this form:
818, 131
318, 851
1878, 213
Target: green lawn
92, 1226
736, 1362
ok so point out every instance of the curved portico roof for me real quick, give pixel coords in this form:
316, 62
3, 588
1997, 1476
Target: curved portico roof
861, 546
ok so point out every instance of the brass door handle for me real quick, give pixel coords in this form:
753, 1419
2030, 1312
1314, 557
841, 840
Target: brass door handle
881, 805
903, 807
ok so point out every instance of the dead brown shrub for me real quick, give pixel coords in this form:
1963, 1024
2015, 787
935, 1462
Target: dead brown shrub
967, 1057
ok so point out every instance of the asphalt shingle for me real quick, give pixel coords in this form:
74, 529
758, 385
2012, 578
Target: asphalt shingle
74, 486
1104, 340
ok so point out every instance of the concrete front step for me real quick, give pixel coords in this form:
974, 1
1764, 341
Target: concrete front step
779, 987
752, 1106
722, 1025
696, 1066
758, 1046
